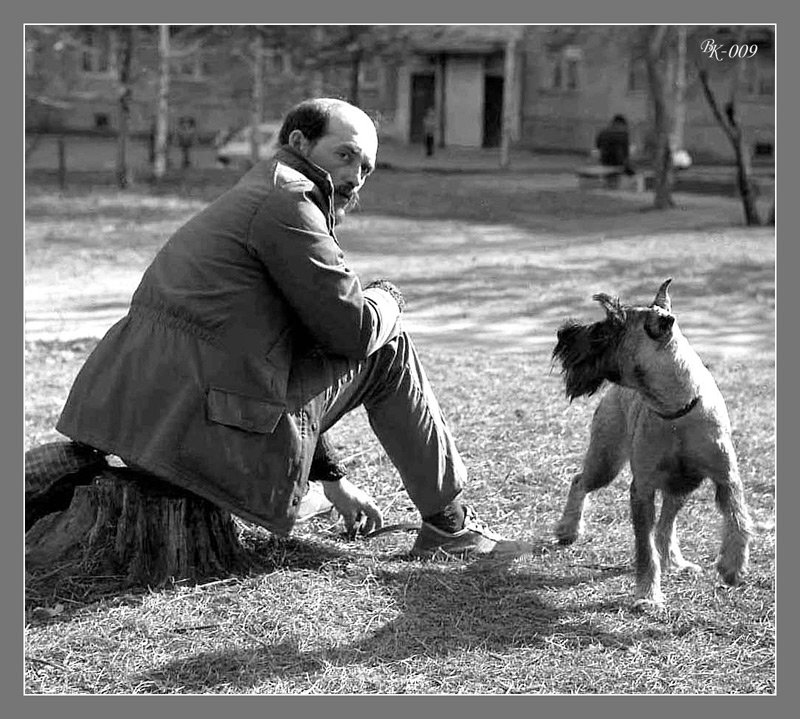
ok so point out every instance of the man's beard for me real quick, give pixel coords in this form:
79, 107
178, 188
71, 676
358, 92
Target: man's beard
349, 199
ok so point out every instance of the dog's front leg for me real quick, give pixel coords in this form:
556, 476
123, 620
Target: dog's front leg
666, 536
606, 455
648, 569
570, 525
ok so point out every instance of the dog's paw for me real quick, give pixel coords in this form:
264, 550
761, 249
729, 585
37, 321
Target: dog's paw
732, 576
682, 567
689, 568
567, 531
643, 604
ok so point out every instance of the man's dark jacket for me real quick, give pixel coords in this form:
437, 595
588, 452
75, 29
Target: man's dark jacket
198, 383
614, 145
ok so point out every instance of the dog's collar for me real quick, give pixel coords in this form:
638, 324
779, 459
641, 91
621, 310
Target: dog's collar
682, 412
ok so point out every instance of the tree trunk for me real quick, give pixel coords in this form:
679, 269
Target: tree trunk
133, 525
744, 182
257, 104
509, 99
355, 75
162, 111
124, 59
662, 156
679, 126
86, 518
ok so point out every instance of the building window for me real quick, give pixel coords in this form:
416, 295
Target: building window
637, 75
556, 83
762, 150
759, 80
279, 62
571, 66
331, 74
369, 73
101, 121
97, 51
565, 69
189, 67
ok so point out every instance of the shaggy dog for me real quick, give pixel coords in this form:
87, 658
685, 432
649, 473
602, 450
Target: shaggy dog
665, 415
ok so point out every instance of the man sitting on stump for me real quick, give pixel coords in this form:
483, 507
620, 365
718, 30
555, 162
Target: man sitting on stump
249, 336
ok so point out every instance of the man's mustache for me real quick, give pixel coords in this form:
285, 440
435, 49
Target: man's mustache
350, 195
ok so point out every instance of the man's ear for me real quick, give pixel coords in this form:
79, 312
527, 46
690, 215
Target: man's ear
298, 141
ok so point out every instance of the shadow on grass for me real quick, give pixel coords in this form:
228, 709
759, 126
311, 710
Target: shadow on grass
485, 606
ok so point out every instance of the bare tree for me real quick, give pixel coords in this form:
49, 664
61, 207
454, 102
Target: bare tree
124, 62
257, 98
347, 46
251, 43
728, 120
174, 43
656, 59
45, 93
730, 124
678, 129
161, 129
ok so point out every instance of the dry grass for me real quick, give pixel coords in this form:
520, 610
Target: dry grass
318, 614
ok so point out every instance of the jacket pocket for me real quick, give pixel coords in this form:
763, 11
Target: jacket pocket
248, 413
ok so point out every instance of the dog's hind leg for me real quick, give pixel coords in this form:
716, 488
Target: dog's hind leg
648, 568
607, 453
737, 528
667, 538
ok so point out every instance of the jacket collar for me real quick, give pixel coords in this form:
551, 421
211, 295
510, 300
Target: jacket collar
320, 177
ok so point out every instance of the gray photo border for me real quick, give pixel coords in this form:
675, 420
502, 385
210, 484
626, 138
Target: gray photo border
356, 11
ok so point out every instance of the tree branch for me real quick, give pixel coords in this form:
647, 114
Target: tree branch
712, 101
657, 40
186, 51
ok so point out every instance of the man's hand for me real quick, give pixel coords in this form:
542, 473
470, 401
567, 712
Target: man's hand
392, 289
358, 509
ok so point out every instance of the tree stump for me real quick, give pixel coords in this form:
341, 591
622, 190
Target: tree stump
126, 523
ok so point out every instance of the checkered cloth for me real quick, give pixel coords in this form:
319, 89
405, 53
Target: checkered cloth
52, 471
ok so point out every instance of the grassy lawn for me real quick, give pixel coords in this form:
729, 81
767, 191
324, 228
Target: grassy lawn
490, 266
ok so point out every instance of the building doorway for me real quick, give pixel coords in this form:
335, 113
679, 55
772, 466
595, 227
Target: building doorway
423, 96
492, 111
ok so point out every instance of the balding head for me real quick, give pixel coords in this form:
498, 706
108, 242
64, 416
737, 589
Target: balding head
312, 117
338, 137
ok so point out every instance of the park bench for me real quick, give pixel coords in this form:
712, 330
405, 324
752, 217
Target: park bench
608, 177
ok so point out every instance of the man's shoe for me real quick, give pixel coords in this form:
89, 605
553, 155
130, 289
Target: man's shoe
314, 503
474, 539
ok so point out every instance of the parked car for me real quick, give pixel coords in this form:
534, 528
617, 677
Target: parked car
235, 150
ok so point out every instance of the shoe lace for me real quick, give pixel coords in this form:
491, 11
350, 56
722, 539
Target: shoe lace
472, 521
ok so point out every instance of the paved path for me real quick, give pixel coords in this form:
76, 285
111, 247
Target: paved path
469, 284
497, 287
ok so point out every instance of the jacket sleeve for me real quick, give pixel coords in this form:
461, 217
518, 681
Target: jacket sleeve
290, 237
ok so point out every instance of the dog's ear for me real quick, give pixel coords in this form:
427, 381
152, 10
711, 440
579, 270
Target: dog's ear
662, 299
610, 304
658, 325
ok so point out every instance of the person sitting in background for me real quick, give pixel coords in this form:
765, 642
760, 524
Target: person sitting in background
613, 144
